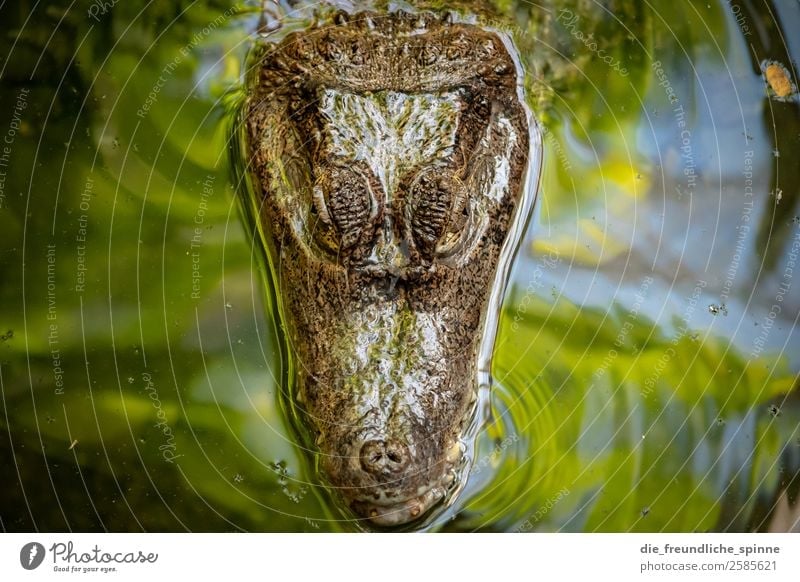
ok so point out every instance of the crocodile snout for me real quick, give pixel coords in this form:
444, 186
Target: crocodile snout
381, 458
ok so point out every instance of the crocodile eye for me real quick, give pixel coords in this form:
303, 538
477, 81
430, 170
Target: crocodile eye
436, 210
344, 208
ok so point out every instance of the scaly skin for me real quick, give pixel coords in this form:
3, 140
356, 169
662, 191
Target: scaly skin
390, 151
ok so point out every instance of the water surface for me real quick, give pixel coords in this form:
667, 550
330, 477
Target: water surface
647, 359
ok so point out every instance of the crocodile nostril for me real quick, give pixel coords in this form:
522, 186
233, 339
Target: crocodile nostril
383, 457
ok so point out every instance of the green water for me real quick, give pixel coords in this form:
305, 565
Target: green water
647, 359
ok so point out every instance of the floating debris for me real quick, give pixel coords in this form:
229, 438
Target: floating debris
645, 511
715, 309
779, 80
294, 494
774, 411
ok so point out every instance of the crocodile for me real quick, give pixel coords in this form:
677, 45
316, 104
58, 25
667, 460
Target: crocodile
392, 158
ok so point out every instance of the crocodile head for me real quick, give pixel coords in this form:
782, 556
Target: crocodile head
389, 154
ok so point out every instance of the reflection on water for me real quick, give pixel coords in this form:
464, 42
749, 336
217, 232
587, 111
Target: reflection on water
646, 364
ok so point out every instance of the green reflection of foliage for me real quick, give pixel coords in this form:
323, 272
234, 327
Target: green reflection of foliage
646, 430
654, 427
167, 419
